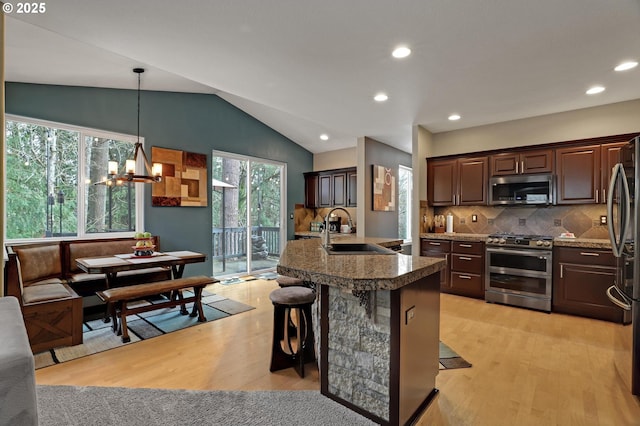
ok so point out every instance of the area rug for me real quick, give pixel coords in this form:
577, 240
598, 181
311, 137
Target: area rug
82, 406
98, 336
449, 359
237, 280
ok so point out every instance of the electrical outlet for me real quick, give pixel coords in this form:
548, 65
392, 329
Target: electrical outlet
522, 222
557, 222
463, 220
603, 220
489, 221
474, 218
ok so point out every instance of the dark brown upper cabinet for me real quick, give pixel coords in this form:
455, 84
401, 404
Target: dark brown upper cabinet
579, 176
457, 182
522, 162
610, 157
331, 188
584, 172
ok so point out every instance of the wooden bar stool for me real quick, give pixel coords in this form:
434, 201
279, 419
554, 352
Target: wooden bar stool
285, 300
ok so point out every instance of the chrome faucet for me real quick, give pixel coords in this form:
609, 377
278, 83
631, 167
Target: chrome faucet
327, 236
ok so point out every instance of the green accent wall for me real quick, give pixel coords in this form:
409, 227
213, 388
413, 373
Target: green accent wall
186, 121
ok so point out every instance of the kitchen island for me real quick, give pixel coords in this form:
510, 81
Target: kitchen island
377, 326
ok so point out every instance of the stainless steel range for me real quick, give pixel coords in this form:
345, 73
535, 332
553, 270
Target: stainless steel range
518, 270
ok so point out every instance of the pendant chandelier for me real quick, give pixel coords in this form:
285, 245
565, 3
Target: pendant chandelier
150, 174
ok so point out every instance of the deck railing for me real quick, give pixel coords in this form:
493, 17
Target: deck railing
232, 242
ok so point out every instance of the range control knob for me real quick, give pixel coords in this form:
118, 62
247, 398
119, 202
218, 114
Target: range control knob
539, 243
547, 243
502, 241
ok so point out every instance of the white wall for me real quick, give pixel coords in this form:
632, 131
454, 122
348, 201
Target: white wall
607, 120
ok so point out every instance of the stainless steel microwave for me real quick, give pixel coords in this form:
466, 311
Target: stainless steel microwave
522, 190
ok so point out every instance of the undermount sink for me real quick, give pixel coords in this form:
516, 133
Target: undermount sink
357, 249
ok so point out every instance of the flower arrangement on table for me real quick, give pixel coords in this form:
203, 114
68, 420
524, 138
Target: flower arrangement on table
144, 244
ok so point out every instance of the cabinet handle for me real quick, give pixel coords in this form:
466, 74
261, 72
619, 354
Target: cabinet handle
517, 164
522, 166
464, 258
604, 194
464, 277
561, 270
435, 244
597, 197
586, 253
466, 245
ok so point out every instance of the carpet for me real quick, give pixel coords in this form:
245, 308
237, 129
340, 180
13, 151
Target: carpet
97, 335
85, 406
449, 359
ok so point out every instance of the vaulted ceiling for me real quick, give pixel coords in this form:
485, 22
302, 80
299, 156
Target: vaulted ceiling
308, 67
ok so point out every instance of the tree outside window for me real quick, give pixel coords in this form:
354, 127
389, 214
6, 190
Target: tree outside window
51, 170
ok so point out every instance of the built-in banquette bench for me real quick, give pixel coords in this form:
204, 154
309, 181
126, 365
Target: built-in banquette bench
50, 287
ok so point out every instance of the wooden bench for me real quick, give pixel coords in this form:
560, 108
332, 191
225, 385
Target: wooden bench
117, 299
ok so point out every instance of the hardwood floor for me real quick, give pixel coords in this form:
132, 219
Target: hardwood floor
529, 368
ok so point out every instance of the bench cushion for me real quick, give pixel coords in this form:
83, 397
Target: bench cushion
44, 292
38, 263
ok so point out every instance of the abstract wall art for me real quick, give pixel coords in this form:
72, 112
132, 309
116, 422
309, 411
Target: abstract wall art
184, 178
384, 189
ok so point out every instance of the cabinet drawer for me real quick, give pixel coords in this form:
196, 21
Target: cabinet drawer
584, 256
467, 284
466, 263
468, 247
440, 246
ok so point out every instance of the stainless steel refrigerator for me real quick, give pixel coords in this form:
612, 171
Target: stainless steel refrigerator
624, 231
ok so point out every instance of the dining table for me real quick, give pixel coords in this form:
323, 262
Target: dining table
111, 265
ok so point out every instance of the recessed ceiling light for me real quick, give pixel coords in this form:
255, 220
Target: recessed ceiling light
595, 89
454, 117
401, 52
324, 137
626, 66
380, 97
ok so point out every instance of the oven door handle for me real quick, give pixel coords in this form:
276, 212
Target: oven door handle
541, 254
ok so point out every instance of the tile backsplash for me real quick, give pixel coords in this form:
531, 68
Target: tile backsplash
582, 220
302, 217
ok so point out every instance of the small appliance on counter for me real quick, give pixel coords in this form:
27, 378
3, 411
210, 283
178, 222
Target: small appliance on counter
438, 223
334, 224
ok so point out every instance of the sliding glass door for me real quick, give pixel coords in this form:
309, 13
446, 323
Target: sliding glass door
248, 214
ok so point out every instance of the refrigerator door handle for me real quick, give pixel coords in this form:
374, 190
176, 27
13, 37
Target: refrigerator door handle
615, 300
624, 206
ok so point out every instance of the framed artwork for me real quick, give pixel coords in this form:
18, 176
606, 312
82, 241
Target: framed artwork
384, 189
184, 178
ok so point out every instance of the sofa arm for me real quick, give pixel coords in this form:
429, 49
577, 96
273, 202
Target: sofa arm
17, 372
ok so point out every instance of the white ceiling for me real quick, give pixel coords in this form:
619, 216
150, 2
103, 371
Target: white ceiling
306, 67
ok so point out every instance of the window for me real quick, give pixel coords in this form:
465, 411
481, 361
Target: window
51, 175
405, 187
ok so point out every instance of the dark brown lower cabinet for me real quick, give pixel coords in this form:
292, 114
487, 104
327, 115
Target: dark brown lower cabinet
465, 265
580, 281
438, 248
467, 268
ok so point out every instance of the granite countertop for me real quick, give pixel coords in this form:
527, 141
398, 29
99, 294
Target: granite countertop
307, 260
594, 243
458, 236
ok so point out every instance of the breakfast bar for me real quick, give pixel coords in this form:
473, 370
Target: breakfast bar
377, 324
